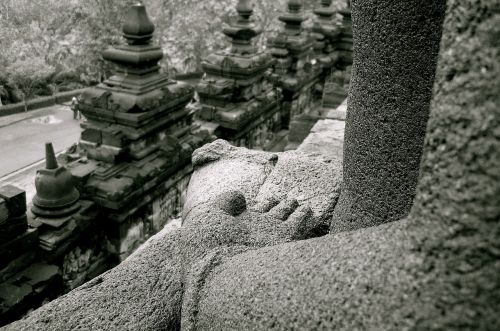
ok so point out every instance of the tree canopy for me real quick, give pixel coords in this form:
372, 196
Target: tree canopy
51, 45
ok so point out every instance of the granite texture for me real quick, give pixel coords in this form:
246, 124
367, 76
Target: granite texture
395, 51
435, 270
137, 294
228, 213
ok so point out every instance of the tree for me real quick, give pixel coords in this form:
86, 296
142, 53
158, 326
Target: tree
29, 73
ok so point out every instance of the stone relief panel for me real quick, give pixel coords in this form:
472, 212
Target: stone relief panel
152, 218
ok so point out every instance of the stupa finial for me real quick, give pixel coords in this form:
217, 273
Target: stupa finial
294, 17
243, 30
50, 157
56, 195
138, 28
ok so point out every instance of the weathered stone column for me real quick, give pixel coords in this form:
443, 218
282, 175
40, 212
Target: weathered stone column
391, 85
458, 194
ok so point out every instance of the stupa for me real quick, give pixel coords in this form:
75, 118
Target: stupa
137, 140
238, 102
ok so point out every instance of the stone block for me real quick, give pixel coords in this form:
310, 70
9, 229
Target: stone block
104, 153
326, 138
16, 265
300, 127
15, 198
81, 171
27, 289
39, 273
11, 294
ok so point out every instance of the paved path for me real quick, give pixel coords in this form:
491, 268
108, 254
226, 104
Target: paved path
23, 136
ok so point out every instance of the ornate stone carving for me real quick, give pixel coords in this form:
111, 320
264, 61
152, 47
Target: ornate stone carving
56, 194
234, 94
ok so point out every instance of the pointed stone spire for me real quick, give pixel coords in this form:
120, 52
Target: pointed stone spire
56, 195
138, 28
136, 64
50, 157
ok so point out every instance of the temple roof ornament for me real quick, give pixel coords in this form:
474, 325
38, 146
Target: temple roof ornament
137, 85
243, 30
325, 12
138, 130
291, 49
235, 90
56, 195
294, 17
243, 61
292, 40
130, 113
138, 28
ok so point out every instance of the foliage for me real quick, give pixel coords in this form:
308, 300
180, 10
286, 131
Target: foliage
63, 40
29, 74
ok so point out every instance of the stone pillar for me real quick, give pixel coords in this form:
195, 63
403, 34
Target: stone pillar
238, 103
389, 99
15, 237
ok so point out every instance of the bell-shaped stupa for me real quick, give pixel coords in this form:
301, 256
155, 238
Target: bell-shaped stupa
56, 195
